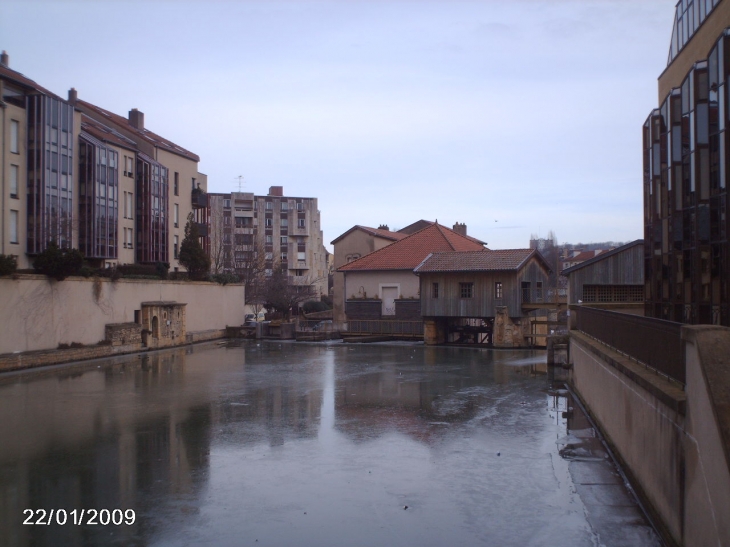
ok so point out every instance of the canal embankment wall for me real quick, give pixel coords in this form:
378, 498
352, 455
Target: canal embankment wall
39, 313
673, 440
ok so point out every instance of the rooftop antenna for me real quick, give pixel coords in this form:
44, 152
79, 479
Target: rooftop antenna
240, 181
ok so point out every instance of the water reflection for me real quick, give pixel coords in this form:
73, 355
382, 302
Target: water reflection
227, 445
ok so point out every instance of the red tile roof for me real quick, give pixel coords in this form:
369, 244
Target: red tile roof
377, 232
20, 79
410, 251
145, 134
106, 134
478, 261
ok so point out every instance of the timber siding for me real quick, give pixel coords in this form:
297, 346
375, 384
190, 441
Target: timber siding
483, 302
622, 266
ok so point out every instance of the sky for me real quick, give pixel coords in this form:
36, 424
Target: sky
514, 117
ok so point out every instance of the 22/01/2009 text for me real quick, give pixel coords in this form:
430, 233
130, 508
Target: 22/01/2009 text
79, 517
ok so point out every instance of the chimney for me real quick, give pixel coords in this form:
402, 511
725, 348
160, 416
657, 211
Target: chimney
4, 59
136, 118
73, 96
460, 228
384, 227
276, 191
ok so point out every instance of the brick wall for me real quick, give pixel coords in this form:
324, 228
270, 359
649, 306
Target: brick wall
408, 309
363, 309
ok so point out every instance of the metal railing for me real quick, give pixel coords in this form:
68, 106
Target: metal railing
380, 326
655, 343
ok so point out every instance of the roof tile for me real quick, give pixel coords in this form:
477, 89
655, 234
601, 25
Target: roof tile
410, 251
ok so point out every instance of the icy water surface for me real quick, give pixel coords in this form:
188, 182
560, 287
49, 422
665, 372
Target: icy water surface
284, 444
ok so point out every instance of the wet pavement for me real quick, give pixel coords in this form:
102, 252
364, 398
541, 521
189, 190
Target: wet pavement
308, 444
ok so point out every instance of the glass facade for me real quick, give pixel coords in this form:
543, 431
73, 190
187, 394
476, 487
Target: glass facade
152, 210
50, 172
688, 17
687, 255
98, 199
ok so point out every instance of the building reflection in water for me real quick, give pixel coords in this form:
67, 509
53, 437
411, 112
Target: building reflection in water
137, 432
131, 433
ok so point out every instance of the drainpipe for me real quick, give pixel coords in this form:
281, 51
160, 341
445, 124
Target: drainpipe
3, 108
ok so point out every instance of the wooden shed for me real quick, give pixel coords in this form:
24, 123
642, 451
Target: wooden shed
470, 296
614, 279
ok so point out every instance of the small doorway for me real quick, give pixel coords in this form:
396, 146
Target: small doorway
389, 296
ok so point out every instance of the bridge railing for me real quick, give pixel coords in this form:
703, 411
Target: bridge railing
655, 343
382, 326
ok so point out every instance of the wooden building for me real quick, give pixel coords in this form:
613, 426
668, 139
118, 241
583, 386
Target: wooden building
612, 280
483, 297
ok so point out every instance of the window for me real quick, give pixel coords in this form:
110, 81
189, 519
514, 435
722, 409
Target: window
284, 223
497, 290
301, 256
14, 136
176, 186
13, 181
301, 222
284, 257
269, 239
13, 226
269, 256
268, 272
538, 291
269, 205
227, 203
175, 246
300, 206
128, 166
176, 214
284, 240
128, 204
284, 206
269, 222
128, 238
435, 290
466, 290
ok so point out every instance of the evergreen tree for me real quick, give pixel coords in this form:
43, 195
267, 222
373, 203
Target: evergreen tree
192, 255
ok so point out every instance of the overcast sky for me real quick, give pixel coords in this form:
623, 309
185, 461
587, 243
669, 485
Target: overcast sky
512, 116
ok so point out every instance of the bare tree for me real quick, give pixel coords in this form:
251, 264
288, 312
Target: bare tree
220, 250
281, 295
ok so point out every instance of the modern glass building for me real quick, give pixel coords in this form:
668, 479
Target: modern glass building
687, 254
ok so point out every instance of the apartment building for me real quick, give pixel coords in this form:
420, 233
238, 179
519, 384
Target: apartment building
285, 230
82, 176
686, 154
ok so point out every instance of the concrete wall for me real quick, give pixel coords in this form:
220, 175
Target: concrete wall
673, 442
707, 445
39, 313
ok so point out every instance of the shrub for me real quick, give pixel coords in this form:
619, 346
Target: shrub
58, 263
162, 269
8, 264
314, 306
225, 278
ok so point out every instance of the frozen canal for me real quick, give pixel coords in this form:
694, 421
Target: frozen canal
283, 444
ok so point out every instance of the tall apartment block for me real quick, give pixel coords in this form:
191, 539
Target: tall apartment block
84, 177
286, 230
686, 155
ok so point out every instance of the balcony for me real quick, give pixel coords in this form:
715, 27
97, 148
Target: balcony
199, 199
202, 229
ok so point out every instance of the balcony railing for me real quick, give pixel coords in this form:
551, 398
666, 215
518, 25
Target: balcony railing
202, 229
653, 342
199, 199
